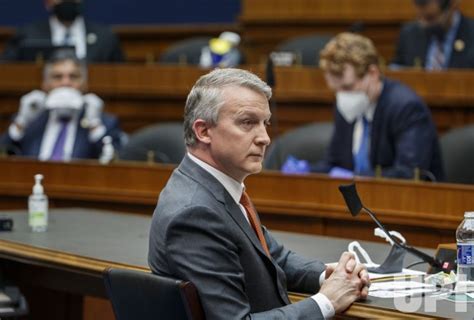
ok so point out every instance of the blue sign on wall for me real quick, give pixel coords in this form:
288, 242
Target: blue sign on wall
19, 12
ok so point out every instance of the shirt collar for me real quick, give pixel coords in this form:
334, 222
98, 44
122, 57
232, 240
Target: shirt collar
58, 30
232, 186
369, 114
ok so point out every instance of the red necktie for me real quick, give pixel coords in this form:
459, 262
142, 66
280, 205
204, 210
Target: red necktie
254, 220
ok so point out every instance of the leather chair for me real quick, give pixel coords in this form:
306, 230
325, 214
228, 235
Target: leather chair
187, 51
306, 47
308, 142
14, 305
145, 296
457, 149
164, 141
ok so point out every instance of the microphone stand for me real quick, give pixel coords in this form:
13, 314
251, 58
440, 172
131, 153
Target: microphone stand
353, 202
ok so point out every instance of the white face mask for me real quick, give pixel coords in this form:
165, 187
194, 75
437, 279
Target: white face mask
352, 104
64, 101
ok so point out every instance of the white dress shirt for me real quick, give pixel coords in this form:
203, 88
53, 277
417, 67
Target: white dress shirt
77, 35
235, 189
50, 135
359, 126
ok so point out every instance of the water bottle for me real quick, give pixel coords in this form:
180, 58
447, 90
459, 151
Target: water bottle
38, 207
465, 253
108, 151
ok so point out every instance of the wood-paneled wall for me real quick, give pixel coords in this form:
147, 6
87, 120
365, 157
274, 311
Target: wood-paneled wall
141, 95
266, 23
426, 213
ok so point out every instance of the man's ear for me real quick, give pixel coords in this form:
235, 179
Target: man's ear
201, 130
374, 71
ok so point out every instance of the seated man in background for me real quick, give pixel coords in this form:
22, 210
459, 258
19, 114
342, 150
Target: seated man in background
60, 122
441, 38
65, 27
206, 230
378, 121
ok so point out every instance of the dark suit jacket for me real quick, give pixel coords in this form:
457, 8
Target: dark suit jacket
30, 144
413, 45
106, 48
403, 136
199, 233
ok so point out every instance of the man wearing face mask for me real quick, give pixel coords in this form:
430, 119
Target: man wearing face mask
378, 122
441, 38
66, 27
59, 122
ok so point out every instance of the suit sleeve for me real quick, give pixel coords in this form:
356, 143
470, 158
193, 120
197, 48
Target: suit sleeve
200, 250
116, 53
112, 129
302, 274
400, 55
335, 155
413, 141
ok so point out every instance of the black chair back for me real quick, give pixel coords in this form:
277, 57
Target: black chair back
145, 296
187, 51
457, 150
306, 47
164, 141
308, 142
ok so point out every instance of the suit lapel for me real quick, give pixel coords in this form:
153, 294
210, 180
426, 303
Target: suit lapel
422, 47
458, 54
234, 211
34, 136
206, 180
376, 125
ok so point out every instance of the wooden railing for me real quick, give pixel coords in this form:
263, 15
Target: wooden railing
426, 213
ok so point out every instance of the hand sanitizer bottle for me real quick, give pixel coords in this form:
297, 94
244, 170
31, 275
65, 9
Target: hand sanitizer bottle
38, 207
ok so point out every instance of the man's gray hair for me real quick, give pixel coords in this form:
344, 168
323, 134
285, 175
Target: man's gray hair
205, 99
62, 55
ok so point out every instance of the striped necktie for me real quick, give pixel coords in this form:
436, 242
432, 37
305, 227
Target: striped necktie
438, 57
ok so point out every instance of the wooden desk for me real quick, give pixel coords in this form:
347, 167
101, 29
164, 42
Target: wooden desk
142, 95
57, 268
426, 213
267, 23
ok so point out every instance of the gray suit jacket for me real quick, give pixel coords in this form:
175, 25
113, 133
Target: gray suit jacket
198, 233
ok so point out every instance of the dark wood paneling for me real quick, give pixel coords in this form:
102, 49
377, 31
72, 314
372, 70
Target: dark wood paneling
426, 213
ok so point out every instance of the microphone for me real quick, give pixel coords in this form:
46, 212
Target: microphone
353, 202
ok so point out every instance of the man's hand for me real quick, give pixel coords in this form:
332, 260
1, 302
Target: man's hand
93, 111
345, 283
31, 104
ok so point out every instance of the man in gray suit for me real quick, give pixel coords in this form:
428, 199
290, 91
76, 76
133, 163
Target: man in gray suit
206, 230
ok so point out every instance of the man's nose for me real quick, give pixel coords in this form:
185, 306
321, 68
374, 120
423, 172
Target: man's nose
262, 135
66, 81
